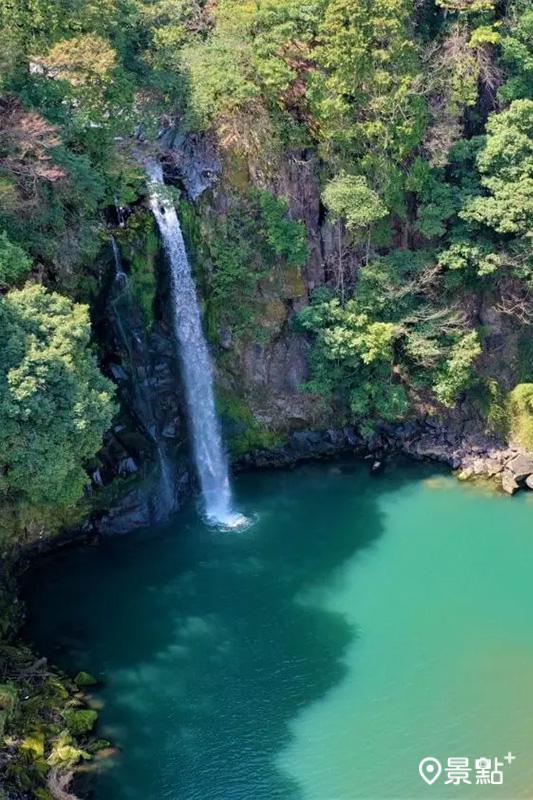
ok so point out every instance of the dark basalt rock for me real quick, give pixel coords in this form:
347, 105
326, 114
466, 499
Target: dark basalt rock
133, 511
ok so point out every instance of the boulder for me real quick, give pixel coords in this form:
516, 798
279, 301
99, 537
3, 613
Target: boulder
118, 372
521, 466
127, 466
529, 481
351, 436
225, 339
305, 441
85, 679
509, 483
169, 431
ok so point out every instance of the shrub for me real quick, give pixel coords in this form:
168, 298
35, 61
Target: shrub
520, 411
457, 373
255, 237
14, 262
80, 722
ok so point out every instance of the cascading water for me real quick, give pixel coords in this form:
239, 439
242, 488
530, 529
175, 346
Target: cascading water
120, 275
210, 458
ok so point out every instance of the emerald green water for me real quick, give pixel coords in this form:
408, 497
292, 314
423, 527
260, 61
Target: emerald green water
357, 626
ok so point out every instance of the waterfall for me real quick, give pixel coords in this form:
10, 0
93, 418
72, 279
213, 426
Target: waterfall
210, 458
119, 270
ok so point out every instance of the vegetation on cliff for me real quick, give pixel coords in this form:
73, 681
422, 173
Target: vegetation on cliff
419, 117
412, 120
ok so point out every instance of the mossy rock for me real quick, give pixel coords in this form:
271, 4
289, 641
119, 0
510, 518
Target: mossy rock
34, 744
99, 744
8, 697
293, 283
3, 720
40, 794
80, 722
85, 679
13, 656
236, 170
65, 753
272, 316
55, 688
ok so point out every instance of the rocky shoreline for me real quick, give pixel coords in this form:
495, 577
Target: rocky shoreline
471, 454
464, 447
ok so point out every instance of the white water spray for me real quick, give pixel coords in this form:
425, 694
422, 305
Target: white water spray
119, 269
209, 454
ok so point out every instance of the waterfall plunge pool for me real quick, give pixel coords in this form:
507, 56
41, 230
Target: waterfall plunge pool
358, 626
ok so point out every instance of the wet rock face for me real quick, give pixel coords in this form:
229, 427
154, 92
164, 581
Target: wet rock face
195, 160
281, 366
297, 181
149, 444
305, 445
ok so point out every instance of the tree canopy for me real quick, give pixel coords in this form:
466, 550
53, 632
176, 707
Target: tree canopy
54, 403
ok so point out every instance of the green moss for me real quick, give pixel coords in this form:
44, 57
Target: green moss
99, 744
80, 721
140, 247
255, 253
22, 523
520, 412
525, 358
249, 434
491, 401
34, 743
41, 794
85, 679
64, 751
255, 438
8, 697
35, 722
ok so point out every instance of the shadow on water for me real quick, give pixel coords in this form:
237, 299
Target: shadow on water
205, 649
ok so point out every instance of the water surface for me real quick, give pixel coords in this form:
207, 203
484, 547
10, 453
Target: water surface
357, 626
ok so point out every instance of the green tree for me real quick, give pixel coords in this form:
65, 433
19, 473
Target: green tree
506, 168
349, 197
54, 403
517, 48
255, 241
352, 359
14, 262
457, 373
366, 94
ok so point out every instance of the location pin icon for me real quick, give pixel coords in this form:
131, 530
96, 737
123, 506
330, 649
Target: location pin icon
430, 769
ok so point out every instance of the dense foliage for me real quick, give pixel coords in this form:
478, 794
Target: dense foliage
417, 118
54, 403
254, 244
